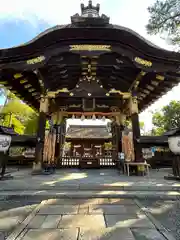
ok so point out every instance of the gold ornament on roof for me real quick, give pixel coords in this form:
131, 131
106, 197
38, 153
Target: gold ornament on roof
17, 75
23, 81
159, 77
143, 62
35, 60
125, 95
54, 93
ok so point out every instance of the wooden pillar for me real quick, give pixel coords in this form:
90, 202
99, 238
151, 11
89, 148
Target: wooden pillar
60, 132
44, 104
114, 140
120, 120
135, 128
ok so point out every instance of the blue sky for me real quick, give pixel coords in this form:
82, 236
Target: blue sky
21, 20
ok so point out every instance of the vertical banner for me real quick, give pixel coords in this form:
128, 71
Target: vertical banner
58, 133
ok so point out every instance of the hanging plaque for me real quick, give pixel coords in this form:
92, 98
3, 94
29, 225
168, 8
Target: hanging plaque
5, 142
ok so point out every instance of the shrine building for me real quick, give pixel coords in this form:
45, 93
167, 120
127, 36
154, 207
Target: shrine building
89, 68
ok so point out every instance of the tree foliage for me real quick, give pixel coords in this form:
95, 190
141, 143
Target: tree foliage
167, 118
31, 125
165, 19
14, 112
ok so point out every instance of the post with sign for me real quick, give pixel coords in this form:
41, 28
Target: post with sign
174, 146
5, 142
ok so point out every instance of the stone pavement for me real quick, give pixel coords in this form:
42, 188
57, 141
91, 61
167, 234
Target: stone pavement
78, 179
165, 212
87, 219
103, 183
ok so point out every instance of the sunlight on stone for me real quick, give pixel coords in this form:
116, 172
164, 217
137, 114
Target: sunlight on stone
127, 223
160, 210
176, 185
51, 201
102, 174
41, 191
121, 184
9, 222
173, 193
17, 210
112, 192
49, 183
72, 176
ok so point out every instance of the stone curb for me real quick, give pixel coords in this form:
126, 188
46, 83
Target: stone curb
89, 187
93, 194
156, 223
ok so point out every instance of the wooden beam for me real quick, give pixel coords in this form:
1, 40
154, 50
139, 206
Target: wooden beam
93, 113
136, 82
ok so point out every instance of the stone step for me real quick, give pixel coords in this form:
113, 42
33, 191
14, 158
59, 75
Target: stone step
96, 187
168, 195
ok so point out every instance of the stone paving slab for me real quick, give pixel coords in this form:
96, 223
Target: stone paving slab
113, 209
37, 221
106, 234
58, 209
147, 234
51, 221
84, 221
128, 221
52, 234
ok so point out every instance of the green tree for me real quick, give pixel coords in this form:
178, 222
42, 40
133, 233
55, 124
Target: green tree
32, 124
15, 113
167, 118
128, 124
165, 19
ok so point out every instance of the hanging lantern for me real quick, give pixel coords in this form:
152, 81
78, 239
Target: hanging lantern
93, 117
104, 118
82, 117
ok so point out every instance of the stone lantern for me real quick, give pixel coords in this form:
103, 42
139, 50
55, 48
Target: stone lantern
174, 146
5, 143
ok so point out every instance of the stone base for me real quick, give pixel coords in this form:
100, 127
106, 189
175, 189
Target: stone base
37, 169
172, 177
6, 177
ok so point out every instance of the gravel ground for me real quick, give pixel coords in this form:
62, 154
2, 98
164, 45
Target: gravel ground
167, 213
12, 213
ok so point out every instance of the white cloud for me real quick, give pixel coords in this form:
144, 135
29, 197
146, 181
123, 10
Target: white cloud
128, 13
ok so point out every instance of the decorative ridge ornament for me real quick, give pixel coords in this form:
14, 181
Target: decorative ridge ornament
90, 10
90, 15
